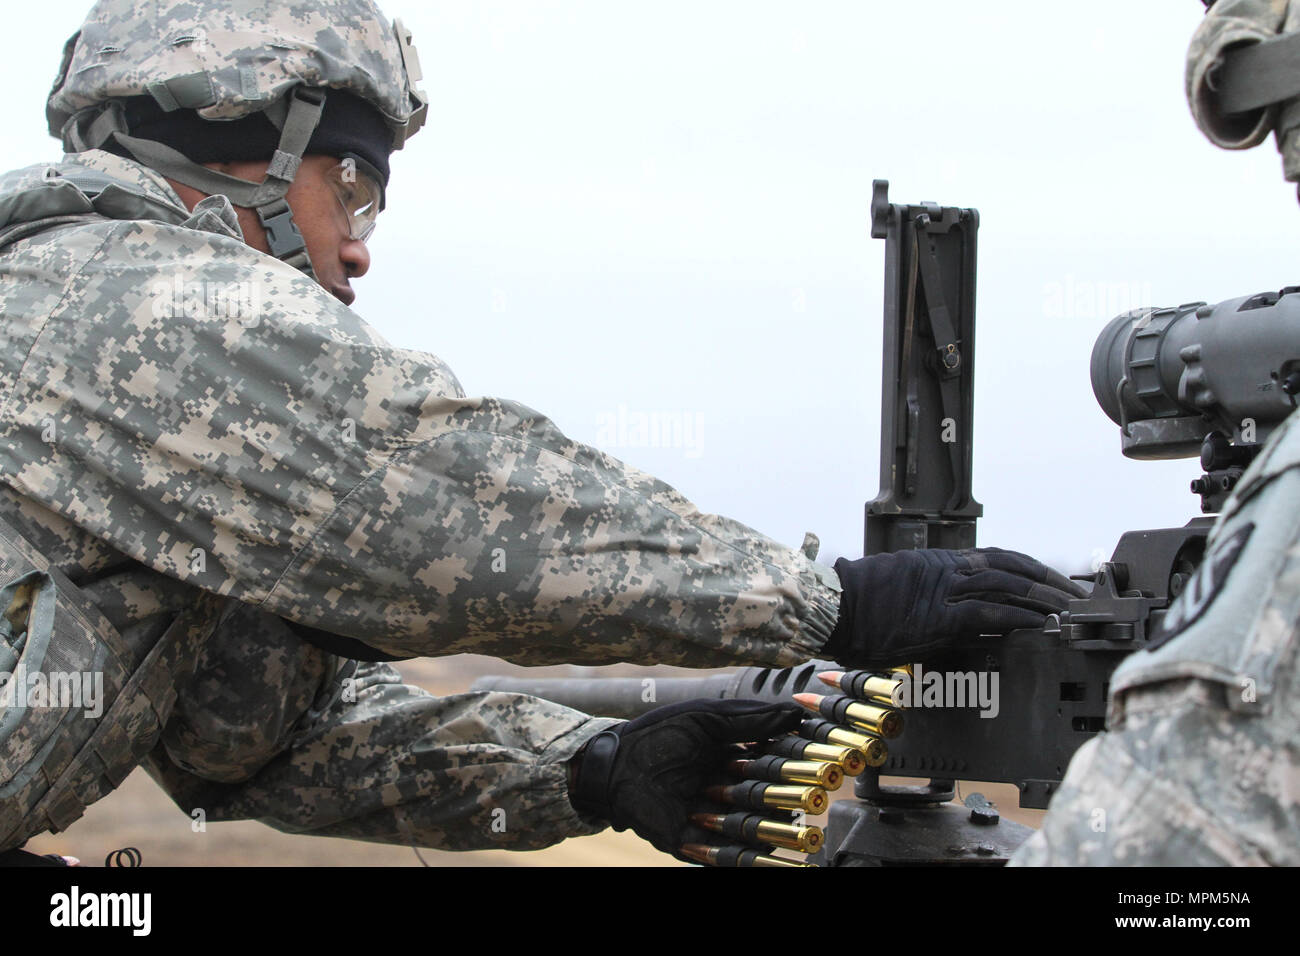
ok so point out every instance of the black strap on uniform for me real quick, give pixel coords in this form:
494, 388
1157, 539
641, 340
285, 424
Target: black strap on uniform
1255, 76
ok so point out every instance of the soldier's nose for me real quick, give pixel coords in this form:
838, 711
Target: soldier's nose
355, 258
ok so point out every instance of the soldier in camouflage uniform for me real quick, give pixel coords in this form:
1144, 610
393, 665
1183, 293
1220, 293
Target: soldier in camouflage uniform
266, 501
1200, 763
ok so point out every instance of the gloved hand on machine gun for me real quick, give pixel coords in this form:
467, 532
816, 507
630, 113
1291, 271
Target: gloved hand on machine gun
649, 774
896, 607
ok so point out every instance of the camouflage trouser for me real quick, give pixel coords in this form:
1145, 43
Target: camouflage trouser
277, 730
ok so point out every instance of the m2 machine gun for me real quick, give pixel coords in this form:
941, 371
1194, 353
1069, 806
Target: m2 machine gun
1207, 380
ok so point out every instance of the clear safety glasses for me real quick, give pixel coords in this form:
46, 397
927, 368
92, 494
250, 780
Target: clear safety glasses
360, 194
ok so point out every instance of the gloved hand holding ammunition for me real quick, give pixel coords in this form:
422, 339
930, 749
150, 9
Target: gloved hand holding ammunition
650, 774
898, 606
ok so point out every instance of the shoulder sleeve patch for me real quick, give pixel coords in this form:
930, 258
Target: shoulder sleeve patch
1200, 591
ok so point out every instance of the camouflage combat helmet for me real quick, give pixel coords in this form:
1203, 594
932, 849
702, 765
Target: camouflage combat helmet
227, 61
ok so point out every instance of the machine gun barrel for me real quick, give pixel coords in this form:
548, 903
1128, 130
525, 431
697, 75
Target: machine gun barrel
629, 697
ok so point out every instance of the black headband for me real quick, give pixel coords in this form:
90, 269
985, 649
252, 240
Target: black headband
348, 124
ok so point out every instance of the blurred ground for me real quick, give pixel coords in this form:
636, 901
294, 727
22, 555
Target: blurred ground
139, 814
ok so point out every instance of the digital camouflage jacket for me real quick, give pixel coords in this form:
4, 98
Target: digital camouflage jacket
183, 414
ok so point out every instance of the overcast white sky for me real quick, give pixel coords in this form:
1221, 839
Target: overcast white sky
662, 207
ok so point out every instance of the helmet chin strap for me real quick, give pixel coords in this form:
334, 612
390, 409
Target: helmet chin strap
90, 130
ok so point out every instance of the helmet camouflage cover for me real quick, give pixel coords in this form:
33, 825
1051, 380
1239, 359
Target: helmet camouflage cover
231, 59
227, 61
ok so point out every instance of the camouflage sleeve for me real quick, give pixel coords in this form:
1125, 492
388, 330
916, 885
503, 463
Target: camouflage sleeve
1227, 24
217, 416
276, 730
1179, 784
